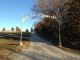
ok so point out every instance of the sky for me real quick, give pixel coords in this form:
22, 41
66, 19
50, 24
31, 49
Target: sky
11, 12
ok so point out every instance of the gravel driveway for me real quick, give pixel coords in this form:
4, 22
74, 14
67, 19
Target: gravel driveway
42, 50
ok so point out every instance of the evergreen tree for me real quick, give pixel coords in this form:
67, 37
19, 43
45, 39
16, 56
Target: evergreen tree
27, 30
3, 29
32, 30
12, 29
18, 29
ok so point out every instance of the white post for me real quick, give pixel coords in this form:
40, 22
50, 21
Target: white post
60, 44
22, 20
21, 35
61, 5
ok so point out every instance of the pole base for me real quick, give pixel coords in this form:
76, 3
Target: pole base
21, 43
60, 46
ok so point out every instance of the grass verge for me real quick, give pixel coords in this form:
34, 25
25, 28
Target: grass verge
10, 46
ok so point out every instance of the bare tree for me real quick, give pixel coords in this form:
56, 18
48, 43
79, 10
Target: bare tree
52, 8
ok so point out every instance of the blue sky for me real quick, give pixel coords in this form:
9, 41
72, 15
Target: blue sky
11, 12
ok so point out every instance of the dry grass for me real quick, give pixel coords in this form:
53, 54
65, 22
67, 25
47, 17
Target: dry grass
10, 46
71, 50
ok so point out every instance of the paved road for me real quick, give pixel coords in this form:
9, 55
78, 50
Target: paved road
42, 50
